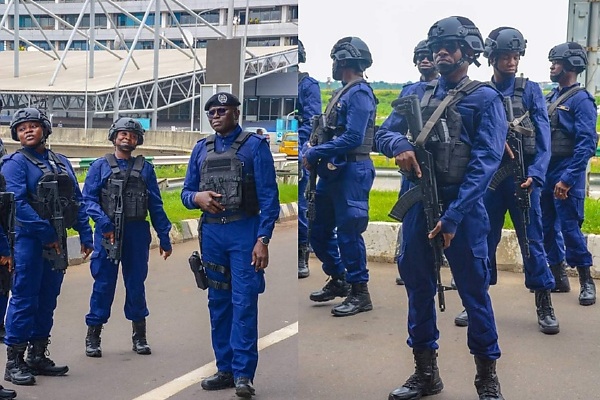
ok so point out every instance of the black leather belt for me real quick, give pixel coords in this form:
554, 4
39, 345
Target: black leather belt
223, 220
357, 157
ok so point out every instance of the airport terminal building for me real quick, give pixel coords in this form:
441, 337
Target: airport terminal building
155, 60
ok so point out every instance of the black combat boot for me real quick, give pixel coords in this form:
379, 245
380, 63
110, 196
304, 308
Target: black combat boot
7, 393
2, 334
425, 381
336, 286
587, 293
546, 319
303, 253
220, 380
358, 301
37, 360
561, 279
140, 345
486, 380
17, 370
243, 387
92, 341
399, 280
462, 319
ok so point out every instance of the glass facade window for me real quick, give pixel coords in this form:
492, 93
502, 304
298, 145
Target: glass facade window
292, 14
289, 105
263, 41
264, 15
45, 21
141, 44
269, 108
123, 21
186, 19
100, 20
251, 109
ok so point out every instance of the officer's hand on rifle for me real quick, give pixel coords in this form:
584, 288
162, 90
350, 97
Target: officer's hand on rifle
164, 253
110, 236
260, 256
407, 161
6, 261
447, 236
561, 190
207, 201
509, 151
527, 184
86, 251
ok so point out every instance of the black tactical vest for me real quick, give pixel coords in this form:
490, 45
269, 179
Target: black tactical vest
66, 190
451, 156
561, 143
331, 118
223, 173
135, 192
519, 111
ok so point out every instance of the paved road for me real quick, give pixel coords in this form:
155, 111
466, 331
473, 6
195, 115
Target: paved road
178, 332
366, 356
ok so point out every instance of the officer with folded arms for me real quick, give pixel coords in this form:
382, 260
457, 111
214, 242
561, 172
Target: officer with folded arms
231, 178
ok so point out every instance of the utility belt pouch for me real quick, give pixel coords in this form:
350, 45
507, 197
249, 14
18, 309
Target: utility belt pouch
198, 270
561, 145
451, 160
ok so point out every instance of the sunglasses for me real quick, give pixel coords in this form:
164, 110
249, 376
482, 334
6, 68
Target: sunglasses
218, 111
424, 56
449, 45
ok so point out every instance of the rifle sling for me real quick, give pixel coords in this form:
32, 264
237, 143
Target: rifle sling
563, 97
339, 94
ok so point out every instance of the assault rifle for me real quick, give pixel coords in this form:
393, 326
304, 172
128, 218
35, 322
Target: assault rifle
425, 190
7, 220
113, 250
60, 261
515, 167
317, 137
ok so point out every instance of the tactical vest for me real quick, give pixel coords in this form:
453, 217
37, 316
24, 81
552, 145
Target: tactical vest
223, 173
561, 143
66, 190
331, 119
518, 111
135, 192
451, 156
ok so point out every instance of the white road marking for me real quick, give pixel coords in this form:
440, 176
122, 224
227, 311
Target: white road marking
194, 377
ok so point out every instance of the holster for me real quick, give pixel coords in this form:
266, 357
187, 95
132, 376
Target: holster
198, 270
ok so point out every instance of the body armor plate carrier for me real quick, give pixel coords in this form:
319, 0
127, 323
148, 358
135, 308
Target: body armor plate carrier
135, 192
562, 144
519, 111
223, 173
66, 190
450, 154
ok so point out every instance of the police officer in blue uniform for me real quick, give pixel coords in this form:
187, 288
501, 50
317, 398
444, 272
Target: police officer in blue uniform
573, 115
346, 174
309, 105
4, 249
39, 248
504, 47
476, 132
231, 178
128, 229
423, 60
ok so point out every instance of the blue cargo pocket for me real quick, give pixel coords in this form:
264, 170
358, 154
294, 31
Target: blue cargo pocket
356, 216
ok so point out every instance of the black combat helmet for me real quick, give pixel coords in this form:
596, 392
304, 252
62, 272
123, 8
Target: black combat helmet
421, 48
504, 39
30, 114
126, 124
352, 52
301, 52
461, 29
572, 54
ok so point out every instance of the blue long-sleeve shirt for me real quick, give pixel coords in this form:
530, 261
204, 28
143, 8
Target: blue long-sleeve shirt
309, 104
259, 162
22, 177
97, 178
577, 117
484, 128
535, 103
355, 109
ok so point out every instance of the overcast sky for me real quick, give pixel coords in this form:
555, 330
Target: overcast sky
392, 28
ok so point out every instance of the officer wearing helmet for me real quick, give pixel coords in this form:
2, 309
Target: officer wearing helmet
39, 247
309, 105
340, 153
120, 191
573, 115
471, 126
231, 178
504, 47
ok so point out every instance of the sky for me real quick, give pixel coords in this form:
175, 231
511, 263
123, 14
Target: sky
392, 28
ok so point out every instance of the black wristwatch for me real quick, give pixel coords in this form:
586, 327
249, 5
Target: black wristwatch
264, 240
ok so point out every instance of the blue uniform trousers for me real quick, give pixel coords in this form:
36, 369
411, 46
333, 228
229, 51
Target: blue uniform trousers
302, 204
343, 203
134, 266
34, 294
234, 313
468, 259
537, 274
563, 239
